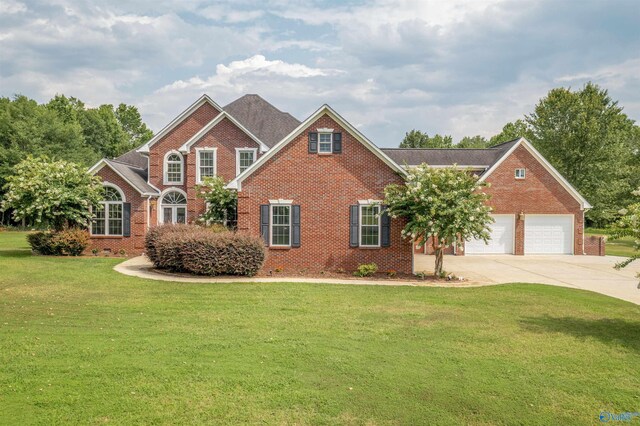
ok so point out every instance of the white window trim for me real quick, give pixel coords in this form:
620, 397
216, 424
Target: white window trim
106, 205
524, 173
165, 164
360, 225
238, 151
215, 161
271, 206
331, 143
160, 207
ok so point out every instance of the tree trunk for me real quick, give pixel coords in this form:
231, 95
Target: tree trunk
438, 267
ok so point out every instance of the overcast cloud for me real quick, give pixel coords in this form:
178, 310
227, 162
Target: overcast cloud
459, 67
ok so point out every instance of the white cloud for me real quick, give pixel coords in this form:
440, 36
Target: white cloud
10, 7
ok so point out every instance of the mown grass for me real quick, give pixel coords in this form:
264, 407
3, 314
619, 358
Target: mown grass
614, 247
84, 344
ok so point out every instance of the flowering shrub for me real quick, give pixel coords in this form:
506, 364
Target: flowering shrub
221, 202
447, 205
54, 193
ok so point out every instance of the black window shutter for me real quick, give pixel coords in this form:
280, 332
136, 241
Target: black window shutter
295, 226
313, 142
385, 227
264, 222
354, 225
337, 143
126, 219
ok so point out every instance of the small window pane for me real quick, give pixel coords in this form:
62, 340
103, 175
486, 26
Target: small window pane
167, 215
115, 219
207, 164
281, 227
181, 215
325, 142
98, 222
520, 173
111, 194
369, 226
246, 159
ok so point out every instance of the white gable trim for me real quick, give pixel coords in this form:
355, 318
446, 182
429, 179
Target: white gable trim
100, 164
584, 204
186, 147
179, 119
325, 109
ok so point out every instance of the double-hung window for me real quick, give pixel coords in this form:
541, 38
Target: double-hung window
245, 157
206, 158
369, 225
107, 216
173, 169
325, 143
280, 225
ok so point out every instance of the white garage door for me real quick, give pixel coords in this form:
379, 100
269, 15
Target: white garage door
548, 234
501, 241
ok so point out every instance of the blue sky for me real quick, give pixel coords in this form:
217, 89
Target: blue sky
459, 67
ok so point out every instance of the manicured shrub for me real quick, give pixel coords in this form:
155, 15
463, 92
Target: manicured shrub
155, 233
366, 269
224, 253
40, 242
201, 251
68, 242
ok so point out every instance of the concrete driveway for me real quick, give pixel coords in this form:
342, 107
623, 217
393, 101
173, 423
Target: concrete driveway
594, 273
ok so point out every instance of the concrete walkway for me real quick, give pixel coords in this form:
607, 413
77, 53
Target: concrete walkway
141, 267
582, 272
594, 273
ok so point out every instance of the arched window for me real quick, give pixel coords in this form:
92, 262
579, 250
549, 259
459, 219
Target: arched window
173, 168
173, 207
107, 216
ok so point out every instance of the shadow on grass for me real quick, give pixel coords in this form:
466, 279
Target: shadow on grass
610, 331
15, 253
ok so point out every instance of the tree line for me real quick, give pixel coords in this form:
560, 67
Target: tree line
584, 134
65, 128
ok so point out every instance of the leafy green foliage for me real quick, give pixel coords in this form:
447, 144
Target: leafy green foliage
629, 226
592, 143
366, 270
221, 202
510, 131
65, 128
56, 193
418, 139
472, 142
447, 205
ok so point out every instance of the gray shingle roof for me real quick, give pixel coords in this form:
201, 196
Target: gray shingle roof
133, 158
136, 176
265, 121
484, 157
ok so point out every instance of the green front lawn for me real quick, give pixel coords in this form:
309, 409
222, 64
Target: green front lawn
614, 247
84, 344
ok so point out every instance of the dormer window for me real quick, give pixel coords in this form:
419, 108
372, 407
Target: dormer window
520, 173
173, 169
325, 145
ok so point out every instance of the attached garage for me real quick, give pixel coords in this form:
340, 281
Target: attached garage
502, 237
548, 234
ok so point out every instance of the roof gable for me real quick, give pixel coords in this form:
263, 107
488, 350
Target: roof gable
325, 109
262, 119
584, 204
204, 99
186, 147
136, 177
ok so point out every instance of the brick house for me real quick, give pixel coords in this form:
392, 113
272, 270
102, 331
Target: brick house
311, 189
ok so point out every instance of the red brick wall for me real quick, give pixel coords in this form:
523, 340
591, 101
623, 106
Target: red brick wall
172, 141
538, 193
594, 245
133, 245
226, 137
324, 186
